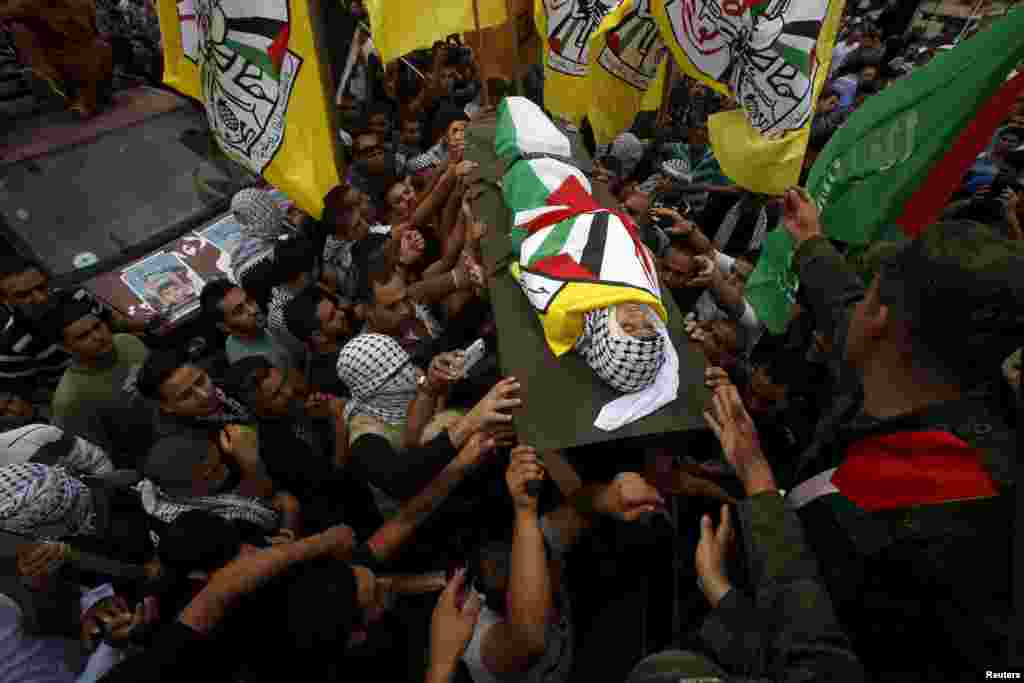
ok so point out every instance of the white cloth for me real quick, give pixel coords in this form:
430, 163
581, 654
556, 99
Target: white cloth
555, 664
632, 407
21, 444
817, 486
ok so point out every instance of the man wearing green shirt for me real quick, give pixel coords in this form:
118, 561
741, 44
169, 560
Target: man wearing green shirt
234, 312
101, 377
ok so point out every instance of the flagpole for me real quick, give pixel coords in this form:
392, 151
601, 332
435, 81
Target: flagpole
515, 48
666, 88
480, 50
967, 23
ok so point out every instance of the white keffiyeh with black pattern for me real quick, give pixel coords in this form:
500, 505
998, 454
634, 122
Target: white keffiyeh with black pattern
381, 377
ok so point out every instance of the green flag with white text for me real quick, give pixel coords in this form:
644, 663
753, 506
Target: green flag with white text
901, 155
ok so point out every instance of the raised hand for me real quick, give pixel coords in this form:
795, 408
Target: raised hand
524, 467
445, 369
451, 627
800, 215
735, 430
493, 409
711, 556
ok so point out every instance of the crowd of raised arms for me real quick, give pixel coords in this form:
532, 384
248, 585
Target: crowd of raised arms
334, 495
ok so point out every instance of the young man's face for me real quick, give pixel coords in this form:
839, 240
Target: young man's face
367, 148
189, 392
351, 224
410, 133
27, 288
88, 338
860, 338
402, 199
379, 125
392, 307
456, 134
277, 392
677, 268
448, 76
334, 323
242, 316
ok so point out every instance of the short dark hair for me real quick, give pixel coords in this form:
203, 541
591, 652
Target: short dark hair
12, 263
62, 310
212, 298
244, 377
293, 256
300, 314
380, 268
157, 369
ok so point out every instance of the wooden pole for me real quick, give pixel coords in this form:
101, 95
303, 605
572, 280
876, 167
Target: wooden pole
480, 50
666, 90
515, 48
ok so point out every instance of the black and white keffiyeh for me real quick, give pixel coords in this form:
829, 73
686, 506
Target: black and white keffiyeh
381, 377
33, 496
229, 506
262, 221
628, 364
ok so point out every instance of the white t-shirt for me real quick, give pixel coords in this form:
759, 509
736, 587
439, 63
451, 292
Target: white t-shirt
556, 663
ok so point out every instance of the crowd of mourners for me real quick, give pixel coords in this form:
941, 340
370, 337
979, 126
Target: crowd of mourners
336, 494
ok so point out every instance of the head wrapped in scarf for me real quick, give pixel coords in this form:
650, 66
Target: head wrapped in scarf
629, 150
262, 222
628, 364
381, 377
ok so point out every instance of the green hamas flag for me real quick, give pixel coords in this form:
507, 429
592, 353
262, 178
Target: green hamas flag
896, 162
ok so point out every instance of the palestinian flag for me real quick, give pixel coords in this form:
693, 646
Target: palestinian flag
574, 255
895, 163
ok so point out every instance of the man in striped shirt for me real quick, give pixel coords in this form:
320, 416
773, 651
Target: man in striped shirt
29, 361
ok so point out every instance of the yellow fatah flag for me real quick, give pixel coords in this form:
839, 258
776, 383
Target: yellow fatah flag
258, 70
567, 29
401, 26
775, 76
629, 64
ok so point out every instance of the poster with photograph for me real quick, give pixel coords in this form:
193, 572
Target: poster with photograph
225, 234
166, 284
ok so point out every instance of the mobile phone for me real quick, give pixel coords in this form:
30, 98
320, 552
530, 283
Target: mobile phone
468, 585
474, 353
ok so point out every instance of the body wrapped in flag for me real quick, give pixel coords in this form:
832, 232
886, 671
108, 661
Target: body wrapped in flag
583, 267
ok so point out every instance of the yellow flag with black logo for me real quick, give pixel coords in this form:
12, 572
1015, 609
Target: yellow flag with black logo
257, 69
567, 29
628, 57
773, 58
